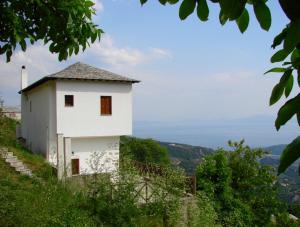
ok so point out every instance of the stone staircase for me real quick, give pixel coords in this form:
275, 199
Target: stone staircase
14, 162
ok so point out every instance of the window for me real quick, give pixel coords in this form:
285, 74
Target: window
105, 105
69, 100
75, 166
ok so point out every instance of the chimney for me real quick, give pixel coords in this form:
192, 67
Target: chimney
24, 78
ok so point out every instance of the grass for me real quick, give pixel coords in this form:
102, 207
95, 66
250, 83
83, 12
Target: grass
45, 201
42, 201
35, 162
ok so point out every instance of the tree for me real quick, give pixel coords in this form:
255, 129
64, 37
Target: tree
144, 150
242, 189
66, 25
289, 54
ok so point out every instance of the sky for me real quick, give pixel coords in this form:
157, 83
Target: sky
190, 71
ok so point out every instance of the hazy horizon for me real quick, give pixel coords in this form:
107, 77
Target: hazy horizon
257, 131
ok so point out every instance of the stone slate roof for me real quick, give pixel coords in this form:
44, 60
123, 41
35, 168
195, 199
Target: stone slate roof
81, 71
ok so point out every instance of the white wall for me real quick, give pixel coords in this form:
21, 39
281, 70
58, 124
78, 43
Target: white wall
84, 118
38, 127
96, 154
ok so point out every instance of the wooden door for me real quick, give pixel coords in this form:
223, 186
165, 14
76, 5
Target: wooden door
75, 166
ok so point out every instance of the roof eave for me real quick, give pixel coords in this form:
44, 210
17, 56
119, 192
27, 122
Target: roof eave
45, 79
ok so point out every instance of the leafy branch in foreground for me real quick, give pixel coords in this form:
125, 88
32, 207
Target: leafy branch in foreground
289, 39
66, 25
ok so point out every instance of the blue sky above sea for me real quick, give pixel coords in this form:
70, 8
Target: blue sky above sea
202, 83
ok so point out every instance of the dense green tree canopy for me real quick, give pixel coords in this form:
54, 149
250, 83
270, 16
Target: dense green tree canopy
144, 150
242, 189
66, 25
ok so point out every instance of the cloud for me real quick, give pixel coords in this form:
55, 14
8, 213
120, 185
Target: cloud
160, 53
113, 55
98, 6
40, 62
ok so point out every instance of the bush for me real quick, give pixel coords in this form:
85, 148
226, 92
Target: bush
242, 190
118, 200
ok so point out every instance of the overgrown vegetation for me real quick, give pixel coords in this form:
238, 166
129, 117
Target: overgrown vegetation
234, 189
144, 150
45, 201
241, 190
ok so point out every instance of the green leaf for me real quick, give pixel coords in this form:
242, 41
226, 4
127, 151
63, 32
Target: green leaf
143, 2
263, 15
202, 10
89, 3
295, 55
232, 8
71, 51
295, 58
276, 70
8, 55
289, 155
243, 21
222, 17
287, 111
292, 37
172, 1
289, 86
4, 48
23, 45
276, 93
298, 118
279, 56
163, 2
187, 7
279, 38
76, 47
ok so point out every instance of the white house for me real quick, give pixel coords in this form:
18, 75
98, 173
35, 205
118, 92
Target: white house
76, 114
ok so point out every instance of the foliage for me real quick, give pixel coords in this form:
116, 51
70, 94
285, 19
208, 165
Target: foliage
30, 202
66, 25
144, 150
116, 200
242, 189
186, 156
289, 38
283, 220
203, 212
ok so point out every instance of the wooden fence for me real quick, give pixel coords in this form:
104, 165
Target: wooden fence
152, 169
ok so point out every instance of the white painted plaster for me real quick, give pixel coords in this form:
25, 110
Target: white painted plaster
96, 154
38, 126
84, 118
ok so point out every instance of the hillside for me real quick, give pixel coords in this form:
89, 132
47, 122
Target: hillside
186, 156
275, 149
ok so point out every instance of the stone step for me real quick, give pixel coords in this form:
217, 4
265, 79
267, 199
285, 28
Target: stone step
17, 164
20, 168
9, 154
26, 172
12, 159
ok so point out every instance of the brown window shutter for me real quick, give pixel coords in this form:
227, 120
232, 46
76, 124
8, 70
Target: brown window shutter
106, 105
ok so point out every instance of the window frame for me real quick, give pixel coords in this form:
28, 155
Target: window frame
66, 101
109, 112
